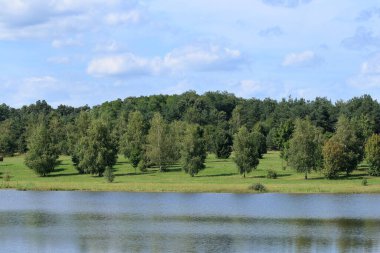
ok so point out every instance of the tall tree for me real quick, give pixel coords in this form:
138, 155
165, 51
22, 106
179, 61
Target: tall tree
132, 142
159, 143
346, 135
334, 158
42, 155
193, 153
8, 138
246, 151
97, 151
372, 153
221, 143
304, 152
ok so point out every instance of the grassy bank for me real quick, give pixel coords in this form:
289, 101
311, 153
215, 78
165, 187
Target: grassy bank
219, 176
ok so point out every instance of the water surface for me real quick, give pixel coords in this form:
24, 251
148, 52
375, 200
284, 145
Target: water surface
175, 222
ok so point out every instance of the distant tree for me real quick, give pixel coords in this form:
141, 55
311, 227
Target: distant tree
346, 136
372, 154
221, 143
334, 158
76, 132
246, 151
193, 152
177, 132
304, 152
363, 127
97, 150
159, 149
260, 143
42, 155
132, 142
8, 138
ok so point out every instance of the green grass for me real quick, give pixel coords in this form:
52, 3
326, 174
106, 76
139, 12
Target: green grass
220, 175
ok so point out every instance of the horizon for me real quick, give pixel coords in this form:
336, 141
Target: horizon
199, 94
89, 52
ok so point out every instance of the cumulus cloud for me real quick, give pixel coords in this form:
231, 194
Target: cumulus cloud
286, 3
193, 58
273, 31
43, 18
362, 39
302, 59
369, 75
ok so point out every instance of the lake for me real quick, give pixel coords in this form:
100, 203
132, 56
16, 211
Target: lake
175, 222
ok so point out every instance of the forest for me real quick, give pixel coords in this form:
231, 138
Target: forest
163, 130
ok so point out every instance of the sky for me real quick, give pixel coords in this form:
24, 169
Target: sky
91, 51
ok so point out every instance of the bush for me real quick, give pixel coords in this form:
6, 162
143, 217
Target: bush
364, 182
259, 187
271, 174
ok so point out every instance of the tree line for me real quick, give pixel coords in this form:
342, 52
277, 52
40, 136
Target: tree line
161, 130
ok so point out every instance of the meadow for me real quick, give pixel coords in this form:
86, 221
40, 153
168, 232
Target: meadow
220, 175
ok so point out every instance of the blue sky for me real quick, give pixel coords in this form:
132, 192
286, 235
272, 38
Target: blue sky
89, 51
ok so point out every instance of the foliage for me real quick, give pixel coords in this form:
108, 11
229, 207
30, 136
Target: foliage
159, 149
42, 155
305, 147
372, 153
364, 182
246, 151
132, 142
345, 134
222, 143
8, 139
97, 150
261, 143
193, 154
334, 158
271, 174
259, 187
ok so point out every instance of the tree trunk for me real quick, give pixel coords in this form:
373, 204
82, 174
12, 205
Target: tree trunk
306, 175
244, 174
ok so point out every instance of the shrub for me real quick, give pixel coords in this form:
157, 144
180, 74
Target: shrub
259, 187
271, 174
364, 182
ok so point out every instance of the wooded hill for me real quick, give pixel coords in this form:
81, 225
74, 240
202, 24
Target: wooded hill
218, 116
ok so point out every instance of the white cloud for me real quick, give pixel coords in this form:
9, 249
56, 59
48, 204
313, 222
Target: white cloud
302, 59
41, 18
195, 58
130, 17
57, 43
109, 46
369, 75
179, 88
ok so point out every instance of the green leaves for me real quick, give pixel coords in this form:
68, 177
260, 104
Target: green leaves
42, 155
372, 153
193, 152
304, 153
246, 151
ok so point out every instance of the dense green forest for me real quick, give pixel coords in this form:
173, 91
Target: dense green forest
160, 130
